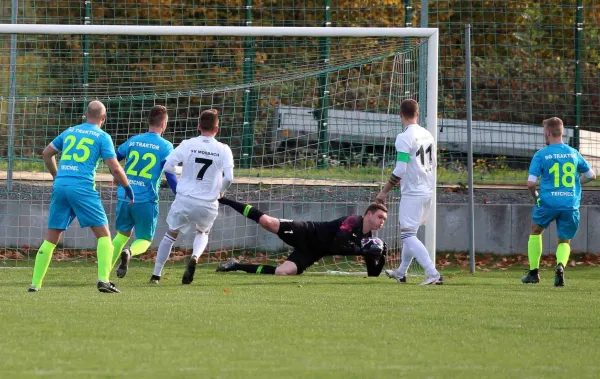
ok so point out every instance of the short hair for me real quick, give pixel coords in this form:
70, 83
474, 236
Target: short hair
555, 125
409, 108
374, 207
209, 120
158, 114
96, 109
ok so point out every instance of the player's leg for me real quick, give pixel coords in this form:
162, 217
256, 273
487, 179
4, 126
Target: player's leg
534, 253
90, 212
43, 258
164, 250
567, 225
414, 212
204, 215
60, 217
104, 252
178, 222
286, 268
124, 224
144, 217
400, 273
270, 224
540, 219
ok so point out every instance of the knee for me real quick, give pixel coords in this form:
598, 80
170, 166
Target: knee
286, 270
536, 229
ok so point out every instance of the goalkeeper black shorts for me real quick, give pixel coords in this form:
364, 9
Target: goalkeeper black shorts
300, 236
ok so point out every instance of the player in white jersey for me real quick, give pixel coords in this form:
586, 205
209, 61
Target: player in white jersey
415, 170
206, 173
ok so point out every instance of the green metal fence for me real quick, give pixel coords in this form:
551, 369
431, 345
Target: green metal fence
531, 60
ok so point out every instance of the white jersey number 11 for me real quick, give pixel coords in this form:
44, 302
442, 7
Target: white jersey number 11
426, 163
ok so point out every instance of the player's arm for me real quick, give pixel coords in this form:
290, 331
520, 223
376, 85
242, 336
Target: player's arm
342, 243
122, 151
117, 172
535, 171
403, 156
587, 174
49, 156
375, 262
172, 181
171, 177
227, 171
108, 154
175, 158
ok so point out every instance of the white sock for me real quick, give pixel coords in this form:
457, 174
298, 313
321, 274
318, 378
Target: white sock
164, 250
200, 242
420, 253
406, 260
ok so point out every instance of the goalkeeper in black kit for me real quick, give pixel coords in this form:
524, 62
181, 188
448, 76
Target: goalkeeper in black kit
350, 235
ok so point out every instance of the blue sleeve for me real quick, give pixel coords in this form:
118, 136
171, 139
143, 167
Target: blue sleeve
58, 141
582, 165
122, 151
107, 148
535, 168
172, 180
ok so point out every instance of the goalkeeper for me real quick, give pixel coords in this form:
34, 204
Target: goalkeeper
314, 240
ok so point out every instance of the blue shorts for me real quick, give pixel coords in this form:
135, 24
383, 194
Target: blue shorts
69, 202
567, 221
141, 216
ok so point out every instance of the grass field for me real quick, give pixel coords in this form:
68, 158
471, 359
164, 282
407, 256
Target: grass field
311, 326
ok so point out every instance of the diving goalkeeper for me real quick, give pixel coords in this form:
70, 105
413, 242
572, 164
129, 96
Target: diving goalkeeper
349, 235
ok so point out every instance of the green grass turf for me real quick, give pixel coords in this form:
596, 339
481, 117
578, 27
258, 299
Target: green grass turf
313, 326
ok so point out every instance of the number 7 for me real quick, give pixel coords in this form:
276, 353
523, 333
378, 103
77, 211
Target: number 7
207, 163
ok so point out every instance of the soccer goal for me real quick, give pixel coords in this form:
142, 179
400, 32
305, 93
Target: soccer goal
311, 115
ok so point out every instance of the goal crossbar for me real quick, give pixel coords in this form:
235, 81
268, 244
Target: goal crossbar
231, 31
432, 35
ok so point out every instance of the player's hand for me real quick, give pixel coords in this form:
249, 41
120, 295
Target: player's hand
381, 198
221, 195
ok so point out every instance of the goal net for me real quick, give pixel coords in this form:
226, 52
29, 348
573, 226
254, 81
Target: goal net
311, 115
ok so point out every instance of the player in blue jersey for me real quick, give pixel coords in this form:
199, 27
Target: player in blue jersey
145, 154
74, 192
559, 168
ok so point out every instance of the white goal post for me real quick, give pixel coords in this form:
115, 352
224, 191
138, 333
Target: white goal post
431, 34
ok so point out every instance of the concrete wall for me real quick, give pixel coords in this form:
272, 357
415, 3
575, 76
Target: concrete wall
502, 229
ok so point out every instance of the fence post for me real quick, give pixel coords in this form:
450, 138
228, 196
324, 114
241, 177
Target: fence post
12, 96
470, 147
249, 94
423, 66
87, 20
578, 38
323, 111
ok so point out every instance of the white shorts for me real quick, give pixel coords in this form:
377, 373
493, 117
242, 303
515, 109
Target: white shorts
187, 213
413, 211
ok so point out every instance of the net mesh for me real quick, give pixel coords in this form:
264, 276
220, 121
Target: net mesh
312, 130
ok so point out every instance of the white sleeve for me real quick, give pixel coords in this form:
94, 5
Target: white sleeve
227, 168
174, 158
532, 178
589, 174
400, 169
227, 158
402, 145
227, 178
